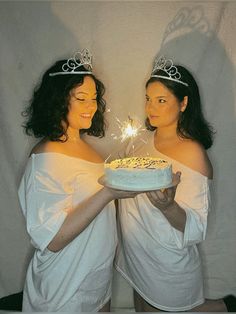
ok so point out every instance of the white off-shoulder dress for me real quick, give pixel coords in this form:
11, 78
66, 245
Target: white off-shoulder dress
78, 277
161, 263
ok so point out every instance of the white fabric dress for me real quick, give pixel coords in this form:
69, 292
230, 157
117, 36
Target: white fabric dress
78, 277
161, 263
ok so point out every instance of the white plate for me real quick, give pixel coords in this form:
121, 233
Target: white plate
175, 181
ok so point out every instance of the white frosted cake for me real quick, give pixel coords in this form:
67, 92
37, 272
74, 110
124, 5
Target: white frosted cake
138, 173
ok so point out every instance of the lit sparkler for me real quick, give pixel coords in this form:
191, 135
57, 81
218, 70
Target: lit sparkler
129, 129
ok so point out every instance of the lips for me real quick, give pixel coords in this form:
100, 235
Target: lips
153, 117
86, 115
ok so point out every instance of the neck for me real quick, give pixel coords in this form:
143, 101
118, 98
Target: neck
166, 133
73, 135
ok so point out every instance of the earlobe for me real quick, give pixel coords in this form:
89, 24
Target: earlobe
184, 104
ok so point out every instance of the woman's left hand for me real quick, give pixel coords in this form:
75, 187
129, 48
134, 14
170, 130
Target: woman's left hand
163, 199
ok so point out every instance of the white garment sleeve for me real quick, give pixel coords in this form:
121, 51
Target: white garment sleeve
44, 206
196, 203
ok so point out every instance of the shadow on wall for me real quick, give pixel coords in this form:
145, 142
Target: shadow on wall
33, 38
189, 41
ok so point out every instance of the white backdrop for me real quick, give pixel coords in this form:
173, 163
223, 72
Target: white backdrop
124, 37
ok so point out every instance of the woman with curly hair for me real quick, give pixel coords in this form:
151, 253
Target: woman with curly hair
70, 217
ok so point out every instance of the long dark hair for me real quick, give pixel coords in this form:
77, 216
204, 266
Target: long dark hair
191, 124
49, 105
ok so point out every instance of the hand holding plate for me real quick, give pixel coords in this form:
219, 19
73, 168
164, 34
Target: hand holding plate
164, 198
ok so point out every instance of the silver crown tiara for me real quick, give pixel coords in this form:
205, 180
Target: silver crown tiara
168, 67
81, 58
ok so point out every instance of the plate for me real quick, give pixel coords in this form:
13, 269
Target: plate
175, 181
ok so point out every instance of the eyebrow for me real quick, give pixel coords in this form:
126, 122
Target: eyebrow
85, 93
157, 96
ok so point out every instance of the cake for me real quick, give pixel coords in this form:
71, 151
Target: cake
138, 173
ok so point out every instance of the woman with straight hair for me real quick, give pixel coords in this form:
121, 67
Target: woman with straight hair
160, 230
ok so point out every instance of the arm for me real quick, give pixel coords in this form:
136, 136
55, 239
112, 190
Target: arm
82, 215
164, 201
193, 156
176, 216
52, 221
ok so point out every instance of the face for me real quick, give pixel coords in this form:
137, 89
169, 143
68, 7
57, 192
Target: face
82, 104
162, 106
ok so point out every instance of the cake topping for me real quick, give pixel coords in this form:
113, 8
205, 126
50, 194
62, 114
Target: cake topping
139, 162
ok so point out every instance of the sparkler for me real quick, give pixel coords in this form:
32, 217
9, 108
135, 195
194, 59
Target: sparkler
129, 129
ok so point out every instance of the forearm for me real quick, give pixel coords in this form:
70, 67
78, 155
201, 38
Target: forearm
79, 218
176, 216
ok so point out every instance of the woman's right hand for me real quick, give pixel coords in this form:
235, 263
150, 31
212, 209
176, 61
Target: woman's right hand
119, 194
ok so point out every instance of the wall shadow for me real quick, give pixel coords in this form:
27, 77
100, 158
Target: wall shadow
32, 38
189, 40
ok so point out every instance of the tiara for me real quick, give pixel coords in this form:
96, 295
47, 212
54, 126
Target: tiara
80, 58
168, 67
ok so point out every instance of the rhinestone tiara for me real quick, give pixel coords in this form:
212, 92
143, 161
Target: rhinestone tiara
80, 58
169, 68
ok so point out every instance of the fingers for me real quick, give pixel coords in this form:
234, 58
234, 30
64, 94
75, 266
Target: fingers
157, 196
162, 196
178, 175
125, 194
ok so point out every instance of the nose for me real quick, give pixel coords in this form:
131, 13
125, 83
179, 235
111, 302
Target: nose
149, 104
91, 103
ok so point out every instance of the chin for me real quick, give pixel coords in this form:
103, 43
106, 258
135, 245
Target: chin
87, 125
153, 124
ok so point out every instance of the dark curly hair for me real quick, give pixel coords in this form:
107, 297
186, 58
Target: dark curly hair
49, 105
191, 124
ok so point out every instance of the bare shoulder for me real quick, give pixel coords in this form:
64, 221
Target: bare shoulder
46, 146
193, 155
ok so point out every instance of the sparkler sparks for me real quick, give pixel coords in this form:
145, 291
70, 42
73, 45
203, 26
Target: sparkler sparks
129, 129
